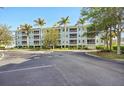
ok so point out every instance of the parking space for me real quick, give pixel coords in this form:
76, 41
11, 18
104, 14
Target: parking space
58, 68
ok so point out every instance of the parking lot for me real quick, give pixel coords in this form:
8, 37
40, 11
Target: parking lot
58, 69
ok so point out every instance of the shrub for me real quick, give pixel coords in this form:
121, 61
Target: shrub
105, 50
1, 47
115, 48
73, 47
79, 47
121, 47
100, 47
31, 47
85, 47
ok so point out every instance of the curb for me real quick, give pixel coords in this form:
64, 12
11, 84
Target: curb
2, 56
110, 60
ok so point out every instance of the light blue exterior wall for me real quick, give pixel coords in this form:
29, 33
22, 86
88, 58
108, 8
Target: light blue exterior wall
80, 39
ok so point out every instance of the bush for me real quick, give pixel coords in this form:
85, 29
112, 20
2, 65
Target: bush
100, 47
31, 47
115, 48
1, 47
121, 47
85, 47
72, 47
105, 50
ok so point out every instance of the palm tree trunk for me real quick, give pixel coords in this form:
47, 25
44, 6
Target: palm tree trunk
118, 42
28, 41
41, 37
82, 41
65, 36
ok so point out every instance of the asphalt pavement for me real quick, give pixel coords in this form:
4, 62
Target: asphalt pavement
59, 69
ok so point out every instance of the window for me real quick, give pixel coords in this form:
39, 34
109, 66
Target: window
83, 41
36, 37
73, 41
101, 41
79, 41
91, 41
73, 35
36, 42
36, 32
73, 29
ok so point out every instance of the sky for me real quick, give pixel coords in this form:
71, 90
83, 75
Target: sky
14, 16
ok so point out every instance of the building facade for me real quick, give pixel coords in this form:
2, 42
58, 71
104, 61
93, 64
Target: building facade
35, 38
73, 37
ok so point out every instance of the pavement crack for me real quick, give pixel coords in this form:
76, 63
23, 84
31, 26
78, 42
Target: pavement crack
67, 83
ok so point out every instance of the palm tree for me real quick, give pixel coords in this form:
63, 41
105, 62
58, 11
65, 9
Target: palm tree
64, 22
27, 28
40, 22
56, 25
81, 22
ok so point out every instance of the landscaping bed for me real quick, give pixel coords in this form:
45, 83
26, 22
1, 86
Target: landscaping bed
108, 55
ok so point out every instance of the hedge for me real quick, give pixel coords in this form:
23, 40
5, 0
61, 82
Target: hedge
2, 47
100, 47
121, 47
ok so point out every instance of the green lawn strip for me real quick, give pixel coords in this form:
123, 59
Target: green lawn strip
109, 55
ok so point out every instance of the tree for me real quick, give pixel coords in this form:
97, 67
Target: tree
80, 21
50, 38
119, 18
40, 22
26, 28
107, 19
64, 22
5, 35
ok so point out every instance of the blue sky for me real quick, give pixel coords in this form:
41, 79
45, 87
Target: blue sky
15, 16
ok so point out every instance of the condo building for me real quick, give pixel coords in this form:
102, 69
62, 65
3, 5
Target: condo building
35, 38
73, 37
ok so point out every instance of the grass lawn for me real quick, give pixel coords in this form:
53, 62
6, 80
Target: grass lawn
109, 55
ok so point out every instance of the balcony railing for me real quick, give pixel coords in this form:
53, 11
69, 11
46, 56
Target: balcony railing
73, 36
73, 30
24, 37
73, 41
24, 44
91, 41
36, 32
36, 37
24, 34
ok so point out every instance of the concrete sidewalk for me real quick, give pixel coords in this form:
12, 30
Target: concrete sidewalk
76, 50
1, 55
28, 51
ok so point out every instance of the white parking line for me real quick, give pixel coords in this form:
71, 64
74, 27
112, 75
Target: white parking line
26, 69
